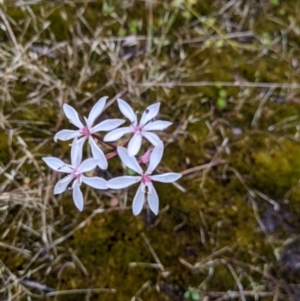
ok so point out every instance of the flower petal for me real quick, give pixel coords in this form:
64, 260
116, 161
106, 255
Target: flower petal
96, 110
98, 154
134, 144
57, 164
65, 135
87, 165
117, 134
76, 151
158, 125
123, 182
152, 138
72, 115
77, 196
127, 110
130, 162
107, 125
95, 182
153, 200
150, 113
155, 158
62, 184
168, 177
138, 201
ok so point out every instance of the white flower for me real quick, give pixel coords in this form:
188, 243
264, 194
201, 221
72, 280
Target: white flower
146, 188
75, 170
141, 129
88, 130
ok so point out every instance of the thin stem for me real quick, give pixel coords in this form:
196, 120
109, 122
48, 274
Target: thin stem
101, 139
108, 143
111, 155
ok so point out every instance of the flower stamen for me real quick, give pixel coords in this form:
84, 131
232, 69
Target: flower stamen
85, 131
146, 179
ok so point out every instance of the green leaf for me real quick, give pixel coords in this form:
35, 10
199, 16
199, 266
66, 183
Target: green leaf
122, 32
166, 42
221, 103
187, 295
195, 296
170, 22
133, 26
114, 15
106, 9
219, 43
222, 93
130, 172
186, 14
162, 42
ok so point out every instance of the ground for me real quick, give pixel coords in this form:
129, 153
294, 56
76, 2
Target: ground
227, 76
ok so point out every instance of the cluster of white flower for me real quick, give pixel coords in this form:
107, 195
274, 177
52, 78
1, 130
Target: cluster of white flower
77, 168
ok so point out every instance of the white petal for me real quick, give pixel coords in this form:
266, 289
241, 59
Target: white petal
96, 110
127, 110
134, 145
117, 134
87, 122
158, 125
150, 113
72, 115
122, 182
95, 182
130, 162
168, 177
87, 165
76, 151
77, 196
98, 154
57, 164
152, 138
65, 135
138, 201
155, 158
62, 185
153, 200
107, 125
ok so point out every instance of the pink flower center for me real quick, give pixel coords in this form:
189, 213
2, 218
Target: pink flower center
75, 173
137, 128
146, 179
85, 131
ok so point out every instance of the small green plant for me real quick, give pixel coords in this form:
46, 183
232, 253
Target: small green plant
108, 10
162, 42
222, 99
191, 294
122, 32
133, 26
267, 41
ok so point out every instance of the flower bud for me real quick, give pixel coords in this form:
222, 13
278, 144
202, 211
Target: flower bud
145, 158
